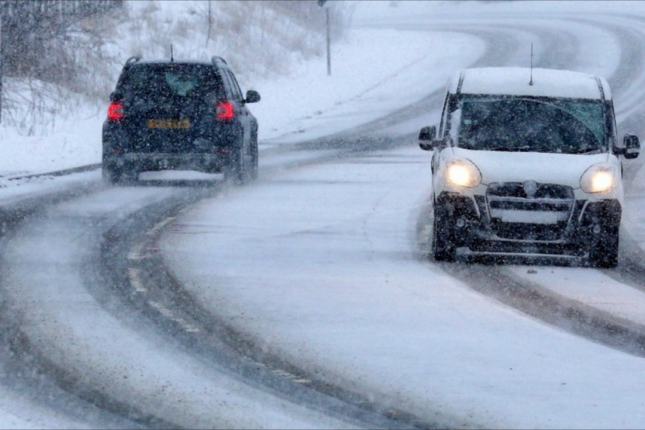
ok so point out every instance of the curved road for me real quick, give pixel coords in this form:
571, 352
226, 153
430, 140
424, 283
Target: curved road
107, 334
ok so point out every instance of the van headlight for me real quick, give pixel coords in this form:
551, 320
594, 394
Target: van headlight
598, 179
463, 173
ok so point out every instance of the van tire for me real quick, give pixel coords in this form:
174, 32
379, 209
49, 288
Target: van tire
604, 253
443, 248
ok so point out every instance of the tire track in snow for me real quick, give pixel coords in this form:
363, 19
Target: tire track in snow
25, 367
170, 314
182, 323
161, 298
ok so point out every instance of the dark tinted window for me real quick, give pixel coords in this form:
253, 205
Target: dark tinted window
232, 91
157, 81
237, 92
531, 125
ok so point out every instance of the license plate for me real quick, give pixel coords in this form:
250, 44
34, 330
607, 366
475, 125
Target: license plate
169, 123
531, 217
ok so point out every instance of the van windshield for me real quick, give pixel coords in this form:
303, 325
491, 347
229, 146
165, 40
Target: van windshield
530, 125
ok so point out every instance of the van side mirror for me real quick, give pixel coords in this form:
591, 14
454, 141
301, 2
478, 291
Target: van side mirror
116, 96
632, 146
252, 97
426, 138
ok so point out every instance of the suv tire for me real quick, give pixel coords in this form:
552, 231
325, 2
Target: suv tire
443, 248
112, 177
235, 169
120, 177
604, 253
253, 174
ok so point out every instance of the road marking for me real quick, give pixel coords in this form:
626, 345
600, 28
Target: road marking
160, 225
135, 280
288, 375
136, 253
162, 309
425, 233
186, 326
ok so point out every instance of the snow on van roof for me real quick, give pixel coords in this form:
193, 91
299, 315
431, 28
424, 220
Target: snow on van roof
515, 81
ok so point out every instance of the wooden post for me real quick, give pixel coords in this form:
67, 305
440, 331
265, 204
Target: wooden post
328, 43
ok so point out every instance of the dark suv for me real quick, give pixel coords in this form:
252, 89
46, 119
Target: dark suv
179, 115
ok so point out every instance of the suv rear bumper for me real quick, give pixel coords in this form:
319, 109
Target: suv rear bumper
474, 229
139, 162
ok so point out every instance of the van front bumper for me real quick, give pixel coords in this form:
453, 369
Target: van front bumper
481, 230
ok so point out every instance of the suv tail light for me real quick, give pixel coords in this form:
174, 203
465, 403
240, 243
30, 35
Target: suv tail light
225, 111
115, 111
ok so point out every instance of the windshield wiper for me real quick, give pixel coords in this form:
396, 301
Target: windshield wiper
593, 151
507, 149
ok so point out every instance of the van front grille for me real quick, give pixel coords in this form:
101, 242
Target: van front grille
529, 211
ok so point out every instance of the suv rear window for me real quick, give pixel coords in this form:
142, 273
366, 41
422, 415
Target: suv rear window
162, 81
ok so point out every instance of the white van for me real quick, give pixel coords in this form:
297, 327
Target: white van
526, 161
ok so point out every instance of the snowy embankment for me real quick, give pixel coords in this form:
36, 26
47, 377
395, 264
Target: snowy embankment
299, 102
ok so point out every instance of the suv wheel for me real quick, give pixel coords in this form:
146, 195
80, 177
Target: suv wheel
604, 253
119, 177
111, 176
443, 247
235, 170
253, 159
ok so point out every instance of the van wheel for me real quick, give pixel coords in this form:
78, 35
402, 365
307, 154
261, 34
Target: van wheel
443, 247
604, 254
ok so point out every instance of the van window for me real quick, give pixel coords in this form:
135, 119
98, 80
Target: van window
531, 125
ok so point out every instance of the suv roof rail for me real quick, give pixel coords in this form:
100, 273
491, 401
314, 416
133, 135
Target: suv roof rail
216, 59
134, 59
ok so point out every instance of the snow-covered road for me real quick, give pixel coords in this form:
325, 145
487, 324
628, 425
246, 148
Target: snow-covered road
305, 299
322, 268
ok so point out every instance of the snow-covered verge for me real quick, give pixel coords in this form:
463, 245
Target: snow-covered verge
56, 125
374, 72
50, 128
256, 38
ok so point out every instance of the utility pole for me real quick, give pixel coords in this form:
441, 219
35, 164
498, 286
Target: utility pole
324, 4
328, 44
